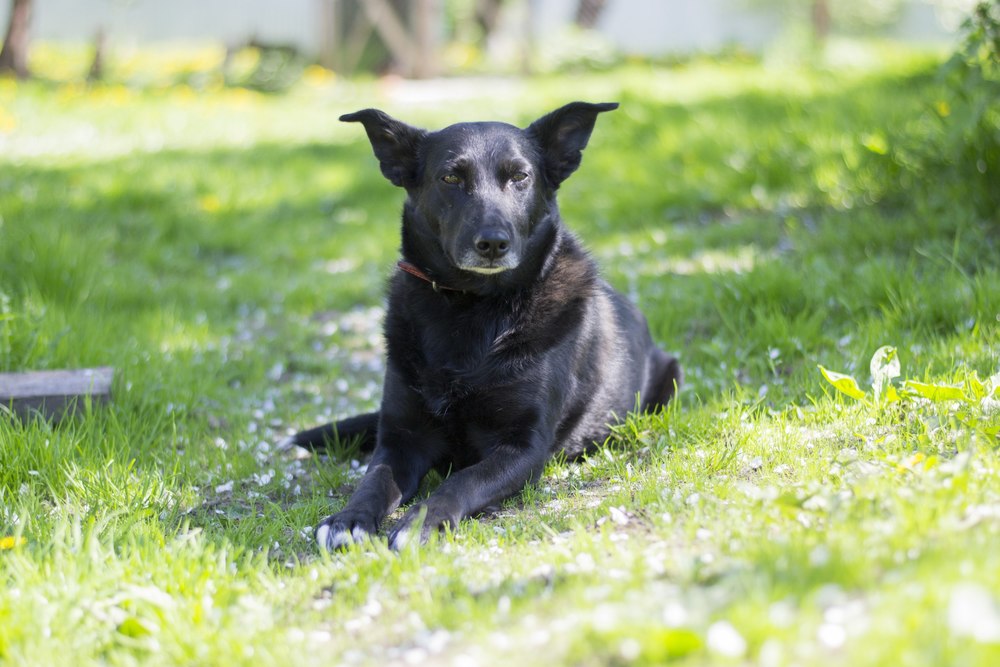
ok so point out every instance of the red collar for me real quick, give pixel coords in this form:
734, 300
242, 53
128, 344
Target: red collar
416, 272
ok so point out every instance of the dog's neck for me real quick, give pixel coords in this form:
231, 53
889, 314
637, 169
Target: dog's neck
415, 271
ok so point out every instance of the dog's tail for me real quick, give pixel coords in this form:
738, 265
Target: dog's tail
360, 429
665, 379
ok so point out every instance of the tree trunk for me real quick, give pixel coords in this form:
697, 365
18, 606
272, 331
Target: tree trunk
329, 31
96, 72
588, 12
487, 17
14, 54
425, 16
821, 20
393, 32
411, 35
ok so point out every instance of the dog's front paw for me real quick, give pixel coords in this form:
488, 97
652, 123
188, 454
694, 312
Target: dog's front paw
421, 521
344, 529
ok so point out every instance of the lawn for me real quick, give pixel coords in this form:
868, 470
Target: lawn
227, 250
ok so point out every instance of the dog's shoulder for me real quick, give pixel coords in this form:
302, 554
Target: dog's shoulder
572, 274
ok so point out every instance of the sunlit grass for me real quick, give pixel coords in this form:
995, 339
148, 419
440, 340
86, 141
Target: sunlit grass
226, 251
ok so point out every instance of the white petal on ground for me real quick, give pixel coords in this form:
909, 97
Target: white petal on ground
972, 612
831, 635
726, 640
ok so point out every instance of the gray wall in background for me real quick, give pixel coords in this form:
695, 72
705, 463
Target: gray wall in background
635, 26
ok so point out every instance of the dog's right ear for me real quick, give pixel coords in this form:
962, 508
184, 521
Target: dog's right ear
395, 144
563, 134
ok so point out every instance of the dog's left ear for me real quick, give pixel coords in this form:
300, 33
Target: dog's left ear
562, 136
394, 142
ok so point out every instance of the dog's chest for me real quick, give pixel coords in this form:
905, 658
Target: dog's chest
460, 359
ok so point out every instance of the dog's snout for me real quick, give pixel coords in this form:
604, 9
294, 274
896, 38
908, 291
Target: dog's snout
492, 243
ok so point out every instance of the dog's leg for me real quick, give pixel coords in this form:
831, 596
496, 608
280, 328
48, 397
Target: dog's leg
503, 473
363, 427
390, 478
393, 477
406, 451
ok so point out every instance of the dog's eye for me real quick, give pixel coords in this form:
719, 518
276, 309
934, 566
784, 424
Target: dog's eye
451, 179
518, 177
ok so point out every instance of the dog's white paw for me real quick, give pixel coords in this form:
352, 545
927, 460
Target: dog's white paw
332, 539
400, 539
323, 536
336, 534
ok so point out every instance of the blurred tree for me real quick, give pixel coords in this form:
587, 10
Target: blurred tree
14, 54
824, 16
821, 20
487, 17
862, 15
367, 34
96, 71
588, 12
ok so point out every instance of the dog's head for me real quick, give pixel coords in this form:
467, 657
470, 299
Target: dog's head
479, 193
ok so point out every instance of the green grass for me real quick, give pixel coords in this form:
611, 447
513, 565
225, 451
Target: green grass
227, 251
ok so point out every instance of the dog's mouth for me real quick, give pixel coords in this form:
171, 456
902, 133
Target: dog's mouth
484, 266
485, 270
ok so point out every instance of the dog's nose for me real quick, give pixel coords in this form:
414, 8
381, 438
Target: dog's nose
492, 243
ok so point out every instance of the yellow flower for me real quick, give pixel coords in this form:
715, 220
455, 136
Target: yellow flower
317, 76
913, 463
117, 95
10, 542
7, 121
943, 108
209, 203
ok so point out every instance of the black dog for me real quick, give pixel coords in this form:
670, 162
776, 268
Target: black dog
504, 345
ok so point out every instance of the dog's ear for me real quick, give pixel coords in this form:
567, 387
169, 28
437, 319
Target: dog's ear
395, 144
562, 136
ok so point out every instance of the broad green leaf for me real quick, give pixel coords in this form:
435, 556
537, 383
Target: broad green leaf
975, 389
845, 384
133, 627
884, 367
993, 386
937, 392
673, 643
791, 499
876, 143
885, 363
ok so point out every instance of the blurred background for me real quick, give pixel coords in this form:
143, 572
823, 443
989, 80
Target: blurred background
269, 45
